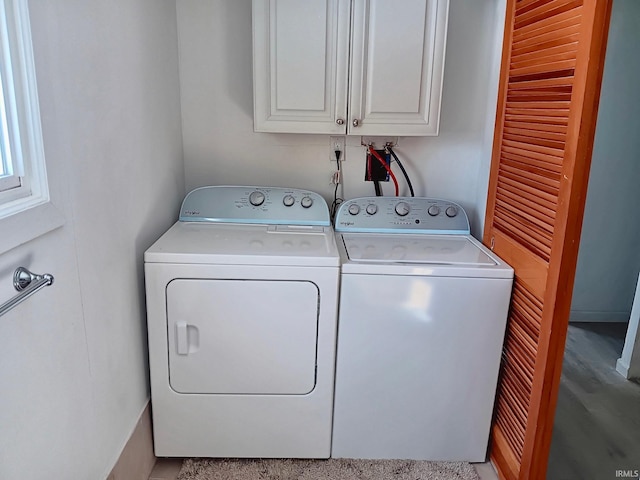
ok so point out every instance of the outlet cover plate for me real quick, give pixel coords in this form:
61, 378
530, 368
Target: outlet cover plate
337, 143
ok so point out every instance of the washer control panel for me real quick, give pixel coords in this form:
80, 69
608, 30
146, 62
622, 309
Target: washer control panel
402, 215
265, 205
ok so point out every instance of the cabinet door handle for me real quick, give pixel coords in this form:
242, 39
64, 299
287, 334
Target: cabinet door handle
356, 122
340, 121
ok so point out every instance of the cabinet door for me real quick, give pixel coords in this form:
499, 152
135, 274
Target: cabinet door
300, 65
397, 63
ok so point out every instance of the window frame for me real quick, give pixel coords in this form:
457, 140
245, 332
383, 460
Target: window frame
26, 211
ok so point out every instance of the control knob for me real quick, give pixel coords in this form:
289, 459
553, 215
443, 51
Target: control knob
451, 211
372, 208
354, 209
306, 202
403, 209
433, 210
256, 198
288, 200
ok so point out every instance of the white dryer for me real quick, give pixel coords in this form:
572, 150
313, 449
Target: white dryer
423, 308
242, 299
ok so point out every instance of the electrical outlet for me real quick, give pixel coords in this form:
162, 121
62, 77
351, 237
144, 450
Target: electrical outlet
379, 142
337, 144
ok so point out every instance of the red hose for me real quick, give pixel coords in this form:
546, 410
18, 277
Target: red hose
386, 167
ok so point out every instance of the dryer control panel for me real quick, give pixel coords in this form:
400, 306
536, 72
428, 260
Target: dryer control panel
263, 205
402, 215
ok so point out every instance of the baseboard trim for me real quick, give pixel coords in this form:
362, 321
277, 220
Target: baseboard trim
590, 316
622, 367
137, 458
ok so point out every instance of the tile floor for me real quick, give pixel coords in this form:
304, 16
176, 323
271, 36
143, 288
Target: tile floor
168, 469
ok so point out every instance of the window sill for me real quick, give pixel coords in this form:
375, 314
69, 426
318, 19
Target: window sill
27, 225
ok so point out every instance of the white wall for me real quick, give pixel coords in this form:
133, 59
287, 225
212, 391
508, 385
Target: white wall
609, 258
220, 146
73, 362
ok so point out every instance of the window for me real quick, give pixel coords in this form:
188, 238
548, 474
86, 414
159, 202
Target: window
26, 210
22, 169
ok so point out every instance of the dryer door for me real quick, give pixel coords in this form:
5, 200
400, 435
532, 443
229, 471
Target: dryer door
242, 336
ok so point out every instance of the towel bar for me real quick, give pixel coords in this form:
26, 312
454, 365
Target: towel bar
27, 284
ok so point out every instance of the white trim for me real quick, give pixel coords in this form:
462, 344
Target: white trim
28, 225
11, 188
137, 446
628, 365
26, 211
7, 182
22, 110
598, 316
622, 368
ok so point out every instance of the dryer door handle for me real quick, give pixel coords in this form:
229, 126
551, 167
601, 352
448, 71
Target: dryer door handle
187, 338
182, 338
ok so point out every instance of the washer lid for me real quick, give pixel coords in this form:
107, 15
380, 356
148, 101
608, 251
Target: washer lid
449, 255
239, 244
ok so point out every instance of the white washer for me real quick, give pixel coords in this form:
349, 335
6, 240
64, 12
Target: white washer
242, 299
423, 308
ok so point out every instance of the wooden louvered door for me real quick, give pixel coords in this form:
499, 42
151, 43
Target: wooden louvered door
552, 61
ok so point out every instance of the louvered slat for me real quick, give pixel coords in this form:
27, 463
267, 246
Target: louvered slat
542, 54
554, 140
554, 63
554, 111
545, 152
557, 95
517, 123
547, 166
557, 144
560, 84
553, 118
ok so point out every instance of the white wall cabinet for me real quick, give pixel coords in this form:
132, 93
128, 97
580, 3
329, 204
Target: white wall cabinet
360, 67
